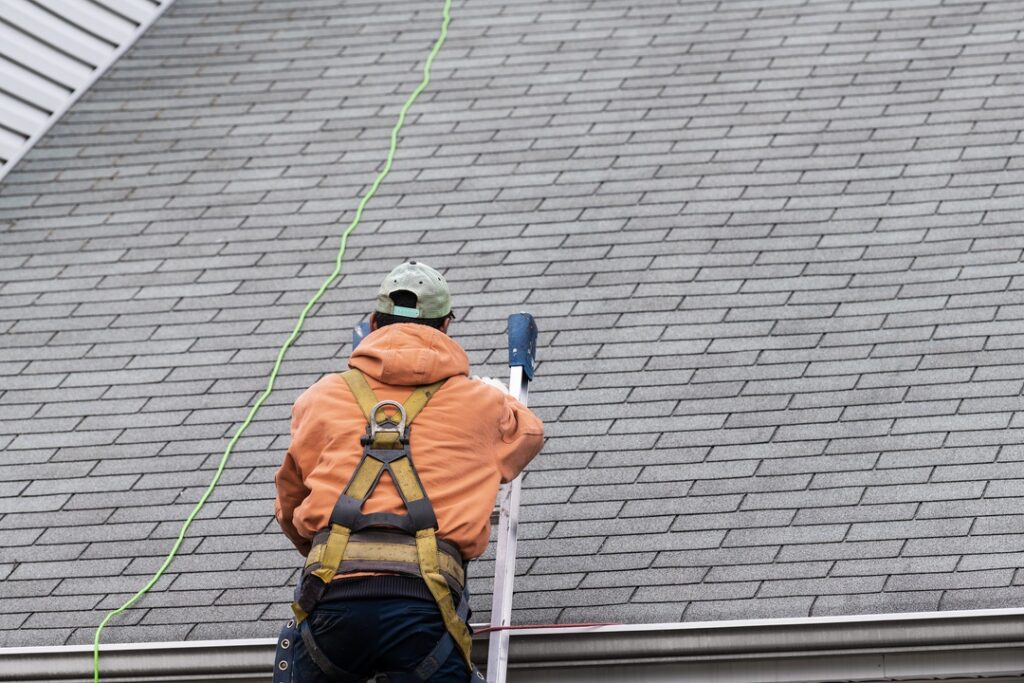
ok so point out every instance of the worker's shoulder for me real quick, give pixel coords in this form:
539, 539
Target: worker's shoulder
473, 393
325, 388
463, 385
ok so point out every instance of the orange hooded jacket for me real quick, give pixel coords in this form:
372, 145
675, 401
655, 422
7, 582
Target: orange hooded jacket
468, 439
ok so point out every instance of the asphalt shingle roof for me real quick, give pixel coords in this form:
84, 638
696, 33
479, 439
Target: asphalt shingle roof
774, 250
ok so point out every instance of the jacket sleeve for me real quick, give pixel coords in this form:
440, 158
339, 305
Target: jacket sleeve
522, 435
291, 487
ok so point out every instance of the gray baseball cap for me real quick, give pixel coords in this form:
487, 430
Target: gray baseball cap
433, 300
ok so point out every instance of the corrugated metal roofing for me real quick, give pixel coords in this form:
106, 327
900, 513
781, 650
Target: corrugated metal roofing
774, 250
51, 51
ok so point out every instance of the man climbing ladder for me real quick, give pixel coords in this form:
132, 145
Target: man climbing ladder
387, 490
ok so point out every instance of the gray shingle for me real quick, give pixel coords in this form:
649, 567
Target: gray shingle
824, 533
994, 578
697, 591
761, 608
909, 529
970, 545
877, 603
922, 492
996, 525
768, 572
803, 499
957, 508
985, 598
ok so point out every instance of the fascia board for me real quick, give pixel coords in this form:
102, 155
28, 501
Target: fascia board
905, 647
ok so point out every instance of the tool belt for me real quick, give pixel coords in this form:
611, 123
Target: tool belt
386, 542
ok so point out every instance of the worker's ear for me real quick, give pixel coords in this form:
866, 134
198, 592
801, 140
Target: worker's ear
373, 321
444, 325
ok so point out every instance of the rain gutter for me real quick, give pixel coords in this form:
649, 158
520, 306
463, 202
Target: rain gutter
954, 646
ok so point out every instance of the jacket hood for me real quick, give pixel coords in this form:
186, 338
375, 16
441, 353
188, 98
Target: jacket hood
408, 354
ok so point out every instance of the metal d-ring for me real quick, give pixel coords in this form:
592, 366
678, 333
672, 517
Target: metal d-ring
375, 426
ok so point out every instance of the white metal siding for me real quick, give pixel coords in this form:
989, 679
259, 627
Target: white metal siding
51, 51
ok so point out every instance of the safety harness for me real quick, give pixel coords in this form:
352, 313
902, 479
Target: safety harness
382, 542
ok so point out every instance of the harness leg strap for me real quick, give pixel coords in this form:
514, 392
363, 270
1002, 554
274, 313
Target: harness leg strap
426, 547
433, 661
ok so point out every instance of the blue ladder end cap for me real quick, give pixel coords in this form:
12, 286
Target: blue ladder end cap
522, 342
360, 331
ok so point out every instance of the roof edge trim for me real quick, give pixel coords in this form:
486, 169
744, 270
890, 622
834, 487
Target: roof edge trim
908, 647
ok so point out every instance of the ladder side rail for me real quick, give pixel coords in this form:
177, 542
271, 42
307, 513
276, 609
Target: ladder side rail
505, 555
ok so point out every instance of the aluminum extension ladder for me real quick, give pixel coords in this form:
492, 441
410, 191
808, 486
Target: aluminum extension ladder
522, 351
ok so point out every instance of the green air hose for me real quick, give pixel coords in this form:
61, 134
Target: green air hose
280, 354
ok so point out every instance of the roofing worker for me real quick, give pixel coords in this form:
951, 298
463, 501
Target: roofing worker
382, 592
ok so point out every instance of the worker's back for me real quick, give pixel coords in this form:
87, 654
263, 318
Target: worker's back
387, 489
468, 438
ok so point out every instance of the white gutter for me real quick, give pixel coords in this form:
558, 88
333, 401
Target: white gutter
954, 646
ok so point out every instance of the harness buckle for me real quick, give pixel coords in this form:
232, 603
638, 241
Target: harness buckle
388, 424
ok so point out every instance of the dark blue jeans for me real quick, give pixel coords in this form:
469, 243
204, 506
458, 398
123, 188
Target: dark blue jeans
367, 637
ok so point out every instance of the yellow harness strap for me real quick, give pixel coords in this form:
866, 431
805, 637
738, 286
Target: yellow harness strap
365, 477
404, 476
426, 549
366, 399
334, 551
401, 550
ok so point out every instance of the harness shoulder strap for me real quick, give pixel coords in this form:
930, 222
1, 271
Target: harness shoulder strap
366, 399
375, 461
361, 390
